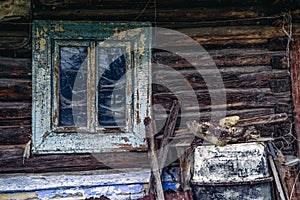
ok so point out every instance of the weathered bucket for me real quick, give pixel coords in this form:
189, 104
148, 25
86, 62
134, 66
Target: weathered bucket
236, 171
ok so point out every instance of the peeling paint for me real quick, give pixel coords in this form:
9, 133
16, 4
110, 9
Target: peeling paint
113, 184
45, 87
42, 44
243, 166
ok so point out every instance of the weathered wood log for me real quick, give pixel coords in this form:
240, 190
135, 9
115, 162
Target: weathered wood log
162, 14
248, 97
161, 3
230, 80
15, 134
15, 110
15, 90
222, 58
156, 186
222, 35
11, 161
274, 118
15, 67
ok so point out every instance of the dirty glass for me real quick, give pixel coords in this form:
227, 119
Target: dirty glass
111, 87
72, 97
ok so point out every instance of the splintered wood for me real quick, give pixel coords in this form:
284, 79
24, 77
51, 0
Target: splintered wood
232, 129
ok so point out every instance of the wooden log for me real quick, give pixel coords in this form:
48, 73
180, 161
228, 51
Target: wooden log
137, 3
162, 14
11, 161
15, 67
222, 58
15, 90
262, 79
248, 97
205, 115
274, 118
10, 135
221, 35
15, 110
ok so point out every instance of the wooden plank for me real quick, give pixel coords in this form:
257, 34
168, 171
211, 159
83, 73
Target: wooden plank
278, 184
295, 77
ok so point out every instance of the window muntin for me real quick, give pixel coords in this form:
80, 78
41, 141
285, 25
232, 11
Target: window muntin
113, 70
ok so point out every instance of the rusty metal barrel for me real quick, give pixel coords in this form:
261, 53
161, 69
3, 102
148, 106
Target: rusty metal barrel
235, 171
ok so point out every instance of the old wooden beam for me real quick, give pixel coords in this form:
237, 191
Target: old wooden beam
15, 90
11, 161
295, 77
14, 135
268, 119
15, 110
15, 67
168, 133
163, 14
157, 184
256, 97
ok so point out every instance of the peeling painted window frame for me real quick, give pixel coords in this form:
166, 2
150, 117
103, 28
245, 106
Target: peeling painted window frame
47, 138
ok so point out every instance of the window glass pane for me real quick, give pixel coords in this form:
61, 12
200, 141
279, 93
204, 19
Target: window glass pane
112, 87
72, 97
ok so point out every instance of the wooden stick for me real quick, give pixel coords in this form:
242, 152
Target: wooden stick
168, 133
157, 184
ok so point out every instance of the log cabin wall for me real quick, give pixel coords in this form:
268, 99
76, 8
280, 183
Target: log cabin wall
246, 39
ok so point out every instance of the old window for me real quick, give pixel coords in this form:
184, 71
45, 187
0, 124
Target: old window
91, 86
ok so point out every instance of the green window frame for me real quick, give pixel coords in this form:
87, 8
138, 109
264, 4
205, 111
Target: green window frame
52, 40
